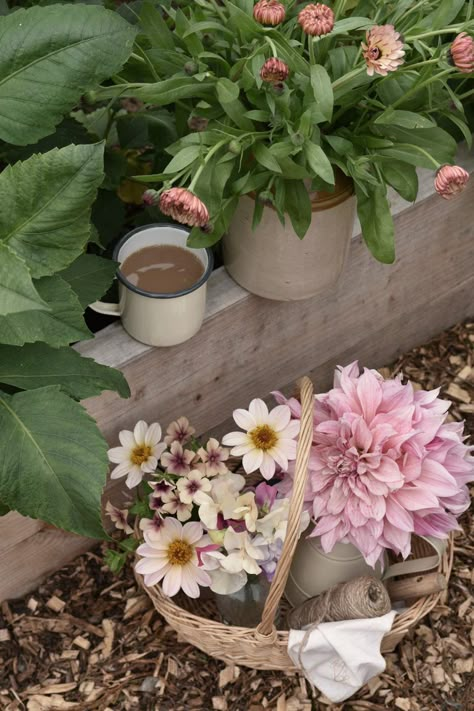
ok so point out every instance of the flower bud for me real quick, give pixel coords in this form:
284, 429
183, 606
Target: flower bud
197, 123
235, 147
450, 181
274, 70
150, 197
191, 68
316, 20
297, 139
278, 88
217, 536
90, 97
269, 12
462, 53
266, 198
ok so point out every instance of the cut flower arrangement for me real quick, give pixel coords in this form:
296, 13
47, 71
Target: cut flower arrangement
272, 97
384, 465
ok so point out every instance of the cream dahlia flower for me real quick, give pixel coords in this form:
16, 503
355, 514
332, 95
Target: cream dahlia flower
170, 555
383, 52
138, 454
269, 438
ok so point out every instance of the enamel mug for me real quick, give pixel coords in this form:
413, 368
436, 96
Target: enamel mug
153, 318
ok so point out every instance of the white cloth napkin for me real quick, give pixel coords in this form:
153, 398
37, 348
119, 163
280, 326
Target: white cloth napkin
340, 657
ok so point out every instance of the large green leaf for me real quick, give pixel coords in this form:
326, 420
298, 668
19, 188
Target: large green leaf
53, 460
49, 198
37, 365
17, 291
376, 222
90, 277
298, 206
62, 325
402, 177
322, 90
48, 57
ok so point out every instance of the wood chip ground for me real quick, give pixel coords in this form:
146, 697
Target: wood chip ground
89, 641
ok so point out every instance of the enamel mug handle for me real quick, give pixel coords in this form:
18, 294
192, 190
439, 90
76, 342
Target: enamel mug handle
419, 565
102, 307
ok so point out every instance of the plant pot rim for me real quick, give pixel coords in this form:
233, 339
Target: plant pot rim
322, 200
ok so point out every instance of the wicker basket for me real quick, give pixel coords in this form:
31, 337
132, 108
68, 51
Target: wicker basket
265, 647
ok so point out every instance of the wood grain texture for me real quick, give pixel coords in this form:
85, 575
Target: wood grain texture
249, 346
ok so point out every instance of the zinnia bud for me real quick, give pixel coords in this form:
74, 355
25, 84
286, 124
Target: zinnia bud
383, 52
235, 147
197, 123
278, 88
450, 180
191, 68
150, 197
185, 207
269, 12
462, 53
316, 20
274, 70
266, 198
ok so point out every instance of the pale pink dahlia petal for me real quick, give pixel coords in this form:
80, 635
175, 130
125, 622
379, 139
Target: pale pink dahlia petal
450, 181
383, 51
316, 20
462, 53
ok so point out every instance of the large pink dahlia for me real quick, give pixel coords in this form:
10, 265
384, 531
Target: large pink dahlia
384, 464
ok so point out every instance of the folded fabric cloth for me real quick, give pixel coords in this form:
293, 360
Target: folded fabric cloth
340, 657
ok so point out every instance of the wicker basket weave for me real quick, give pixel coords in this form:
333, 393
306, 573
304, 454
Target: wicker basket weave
265, 647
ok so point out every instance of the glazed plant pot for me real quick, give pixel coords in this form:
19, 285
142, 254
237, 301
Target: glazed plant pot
274, 263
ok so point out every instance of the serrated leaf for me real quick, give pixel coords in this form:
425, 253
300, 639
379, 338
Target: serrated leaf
48, 57
49, 198
17, 291
90, 276
376, 221
53, 460
61, 325
38, 365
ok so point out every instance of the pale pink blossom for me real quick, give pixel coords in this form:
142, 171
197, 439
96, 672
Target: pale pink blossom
153, 525
119, 518
383, 50
177, 460
179, 431
384, 464
191, 487
171, 556
450, 181
269, 438
138, 454
172, 504
213, 458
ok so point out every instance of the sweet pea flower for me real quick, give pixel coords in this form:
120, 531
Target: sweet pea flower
242, 555
246, 510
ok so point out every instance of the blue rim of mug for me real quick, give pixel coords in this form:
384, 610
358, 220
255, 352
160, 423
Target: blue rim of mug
155, 294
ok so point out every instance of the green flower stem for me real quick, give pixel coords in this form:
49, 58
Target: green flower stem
312, 54
433, 33
417, 87
138, 58
219, 11
347, 77
272, 45
408, 67
412, 146
339, 8
206, 160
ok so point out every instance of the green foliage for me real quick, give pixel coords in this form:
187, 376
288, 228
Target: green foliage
373, 210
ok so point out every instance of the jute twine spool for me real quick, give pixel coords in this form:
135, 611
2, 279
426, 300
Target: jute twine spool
359, 598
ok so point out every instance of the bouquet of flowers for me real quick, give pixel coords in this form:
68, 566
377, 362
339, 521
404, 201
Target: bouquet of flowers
202, 524
272, 96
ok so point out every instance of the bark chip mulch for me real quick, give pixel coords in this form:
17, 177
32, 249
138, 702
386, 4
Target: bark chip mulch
89, 641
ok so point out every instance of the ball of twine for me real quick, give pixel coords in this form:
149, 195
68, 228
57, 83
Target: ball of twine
359, 598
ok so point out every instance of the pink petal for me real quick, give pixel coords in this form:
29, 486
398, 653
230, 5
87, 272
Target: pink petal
244, 419
397, 515
134, 477
235, 438
153, 434
172, 580
267, 466
252, 460
192, 532
259, 411
413, 498
369, 392
435, 478
279, 417
154, 578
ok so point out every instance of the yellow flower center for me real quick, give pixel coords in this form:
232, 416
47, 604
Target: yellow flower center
180, 552
140, 454
263, 437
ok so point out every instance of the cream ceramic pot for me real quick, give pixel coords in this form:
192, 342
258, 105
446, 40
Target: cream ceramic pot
271, 261
153, 318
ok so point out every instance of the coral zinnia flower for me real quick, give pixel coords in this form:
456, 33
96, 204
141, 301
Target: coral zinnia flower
170, 555
274, 70
316, 20
269, 438
184, 207
383, 52
138, 454
450, 181
462, 53
269, 12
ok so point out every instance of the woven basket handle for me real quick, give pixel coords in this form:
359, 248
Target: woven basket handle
266, 626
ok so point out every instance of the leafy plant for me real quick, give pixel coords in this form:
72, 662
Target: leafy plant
53, 460
272, 108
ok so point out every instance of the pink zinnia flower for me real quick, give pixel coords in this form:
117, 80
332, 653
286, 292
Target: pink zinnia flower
462, 53
179, 431
184, 207
316, 20
269, 12
274, 70
450, 181
383, 52
177, 460
384, 465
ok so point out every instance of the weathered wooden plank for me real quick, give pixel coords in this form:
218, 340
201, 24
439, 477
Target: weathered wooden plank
14, 528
